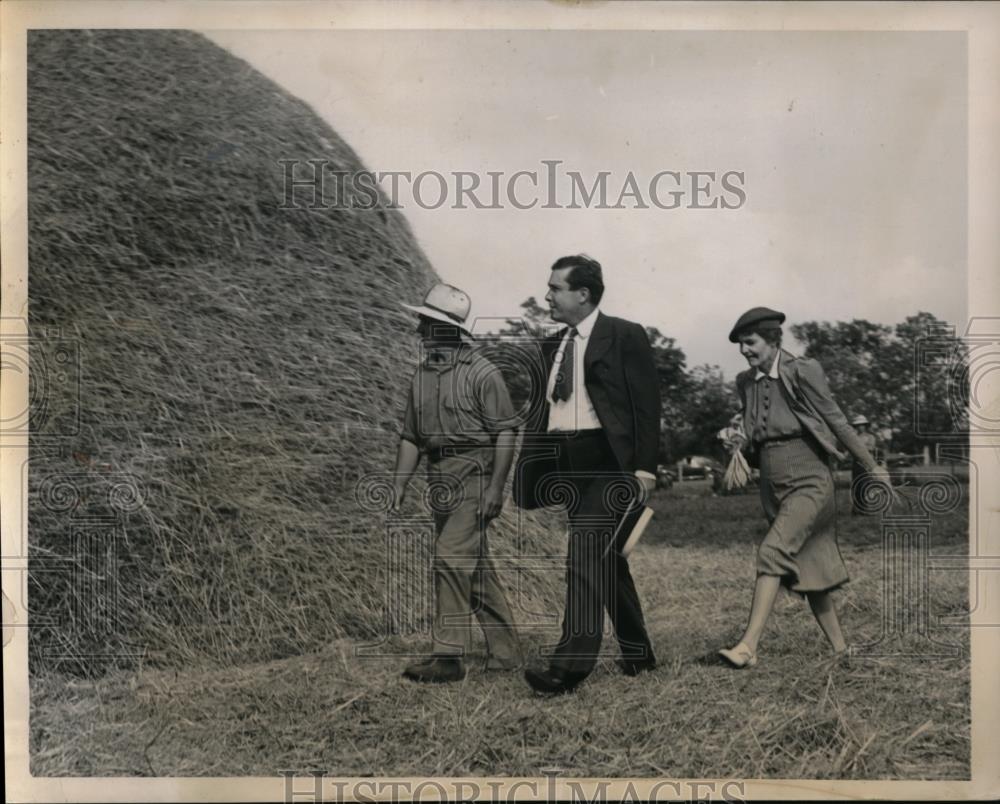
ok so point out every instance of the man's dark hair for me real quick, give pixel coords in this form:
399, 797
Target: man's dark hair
585, 273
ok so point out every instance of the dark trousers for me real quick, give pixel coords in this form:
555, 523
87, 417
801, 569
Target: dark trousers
597, 576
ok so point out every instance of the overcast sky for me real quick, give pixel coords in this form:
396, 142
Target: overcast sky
853, 148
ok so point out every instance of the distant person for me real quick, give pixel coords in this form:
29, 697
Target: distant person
859, 475
460, 416
793, 425
598, 417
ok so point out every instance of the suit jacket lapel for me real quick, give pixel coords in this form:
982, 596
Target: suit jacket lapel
785, 373
601, 337
807, 416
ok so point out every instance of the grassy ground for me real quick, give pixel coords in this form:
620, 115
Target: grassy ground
798, 714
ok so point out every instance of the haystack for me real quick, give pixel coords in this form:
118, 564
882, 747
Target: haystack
214, 375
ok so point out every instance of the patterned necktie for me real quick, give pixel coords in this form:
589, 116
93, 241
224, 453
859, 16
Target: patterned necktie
563, 388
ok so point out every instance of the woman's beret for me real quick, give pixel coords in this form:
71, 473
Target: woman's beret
753, 317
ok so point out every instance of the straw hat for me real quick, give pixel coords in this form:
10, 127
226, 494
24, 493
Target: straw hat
445, 303
857, 420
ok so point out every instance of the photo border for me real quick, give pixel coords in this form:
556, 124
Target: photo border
981, 22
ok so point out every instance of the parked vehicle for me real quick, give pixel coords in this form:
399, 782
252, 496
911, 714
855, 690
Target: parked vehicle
701, 466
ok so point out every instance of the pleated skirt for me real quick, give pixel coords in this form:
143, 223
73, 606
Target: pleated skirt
797, 493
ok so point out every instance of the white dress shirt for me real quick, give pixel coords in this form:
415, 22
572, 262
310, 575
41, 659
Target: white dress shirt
577, 412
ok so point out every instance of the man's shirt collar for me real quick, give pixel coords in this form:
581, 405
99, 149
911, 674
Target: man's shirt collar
585, 327
773, 373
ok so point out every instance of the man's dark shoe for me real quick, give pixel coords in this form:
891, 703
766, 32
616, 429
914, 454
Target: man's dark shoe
436, 670
553, 681
633, 667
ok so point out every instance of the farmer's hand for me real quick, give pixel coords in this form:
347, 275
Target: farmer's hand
491, 503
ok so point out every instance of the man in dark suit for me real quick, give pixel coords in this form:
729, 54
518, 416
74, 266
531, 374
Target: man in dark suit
592, 443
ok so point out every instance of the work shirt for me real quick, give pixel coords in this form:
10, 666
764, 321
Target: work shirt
457, 398
577, 412
768, 415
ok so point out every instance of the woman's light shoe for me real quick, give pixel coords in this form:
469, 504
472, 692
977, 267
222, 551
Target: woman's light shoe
740, 656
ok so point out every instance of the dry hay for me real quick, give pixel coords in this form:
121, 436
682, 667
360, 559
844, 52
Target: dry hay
241, 367
800, 714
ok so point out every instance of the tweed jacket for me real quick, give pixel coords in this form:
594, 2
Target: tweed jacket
813, 404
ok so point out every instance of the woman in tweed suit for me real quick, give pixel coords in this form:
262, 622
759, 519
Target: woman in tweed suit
793, 425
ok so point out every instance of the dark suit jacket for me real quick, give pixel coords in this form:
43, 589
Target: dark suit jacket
621, 379
813, 404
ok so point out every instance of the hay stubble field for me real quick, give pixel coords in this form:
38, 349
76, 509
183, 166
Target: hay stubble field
798, 714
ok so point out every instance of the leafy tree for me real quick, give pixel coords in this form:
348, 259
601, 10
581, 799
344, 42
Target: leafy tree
903, 377
670, 369
709, 401
858, 358
514, 349
928, 352
534, 320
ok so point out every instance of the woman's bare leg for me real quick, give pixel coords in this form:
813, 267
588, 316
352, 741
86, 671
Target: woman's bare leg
825, 613
765, 592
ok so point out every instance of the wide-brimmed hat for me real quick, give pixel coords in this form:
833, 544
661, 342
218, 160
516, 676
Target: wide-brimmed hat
445, 303
859, 420
754, 316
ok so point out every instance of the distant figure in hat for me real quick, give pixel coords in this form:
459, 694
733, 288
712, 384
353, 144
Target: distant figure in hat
460, 416
793, 425
859, 475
